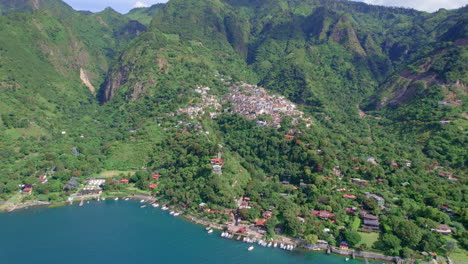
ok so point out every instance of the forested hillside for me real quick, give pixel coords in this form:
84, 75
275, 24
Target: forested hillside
363, 113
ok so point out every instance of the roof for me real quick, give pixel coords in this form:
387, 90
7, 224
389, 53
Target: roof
323, 214
153, 185
349, 196
260, 222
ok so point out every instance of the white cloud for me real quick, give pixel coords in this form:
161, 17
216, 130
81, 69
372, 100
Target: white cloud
139, 4
423, 5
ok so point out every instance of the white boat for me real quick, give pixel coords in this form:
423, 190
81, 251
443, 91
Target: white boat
142, 201
143, 206
171, 213
164, 208
87, 202
281, 246
126, 199
116, 198
270, 244
210, 231
223, 234
275, 244
347, 259
176, 214
103, 199
251, 248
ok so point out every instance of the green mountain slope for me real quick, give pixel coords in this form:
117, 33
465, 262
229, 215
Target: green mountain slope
144, 15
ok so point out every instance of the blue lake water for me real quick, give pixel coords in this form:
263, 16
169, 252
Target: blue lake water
122, 232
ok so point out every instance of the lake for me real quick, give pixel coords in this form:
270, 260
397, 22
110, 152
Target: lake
122, 232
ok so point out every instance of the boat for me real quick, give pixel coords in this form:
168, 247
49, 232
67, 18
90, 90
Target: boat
164, 208
223, 234
87, 202
207, 228
347, 259
81, 203
142, 201
143, 206
270, 244
251, 248
116, 198
103, 199
155, 205
176, 214
210, 231
126, 199
171, 213
275, 244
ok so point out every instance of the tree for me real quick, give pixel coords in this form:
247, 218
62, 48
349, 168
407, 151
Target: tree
311, 239
409, 233
352, 237
450, 246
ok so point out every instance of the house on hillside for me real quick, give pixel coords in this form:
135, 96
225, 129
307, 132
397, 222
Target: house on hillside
349, 196
442, 229
344, 245
27, 189
217, 169
323, 214
358, 181
370, 222
260, 222
379, 199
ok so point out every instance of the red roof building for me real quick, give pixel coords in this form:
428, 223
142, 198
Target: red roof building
124, 181
260, 222
344, 245
349, 196
27, 188
153, 185
217, 162
289, 137
42, 176
323, 214
156, 176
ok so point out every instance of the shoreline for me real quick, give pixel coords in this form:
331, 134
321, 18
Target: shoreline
193, 219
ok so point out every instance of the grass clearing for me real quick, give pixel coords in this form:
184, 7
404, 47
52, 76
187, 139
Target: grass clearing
369, 238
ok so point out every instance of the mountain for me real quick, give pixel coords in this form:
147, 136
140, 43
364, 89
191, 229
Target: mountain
144, 15
308, 103
46, 54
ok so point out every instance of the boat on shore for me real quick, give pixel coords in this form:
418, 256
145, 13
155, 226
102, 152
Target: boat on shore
176, 214
155, 205
142, 201
251, 248
116, 199
126, 199
210, 231
164, 208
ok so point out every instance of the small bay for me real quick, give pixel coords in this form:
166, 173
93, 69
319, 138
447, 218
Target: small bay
122, 232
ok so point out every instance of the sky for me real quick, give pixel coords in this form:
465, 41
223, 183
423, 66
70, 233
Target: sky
123, 6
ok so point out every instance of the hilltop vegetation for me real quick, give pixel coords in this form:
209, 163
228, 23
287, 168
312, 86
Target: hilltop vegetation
384, 88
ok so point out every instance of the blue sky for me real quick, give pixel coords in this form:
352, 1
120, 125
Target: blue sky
123, 6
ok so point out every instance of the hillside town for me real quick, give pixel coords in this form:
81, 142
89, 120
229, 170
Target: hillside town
250, 101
